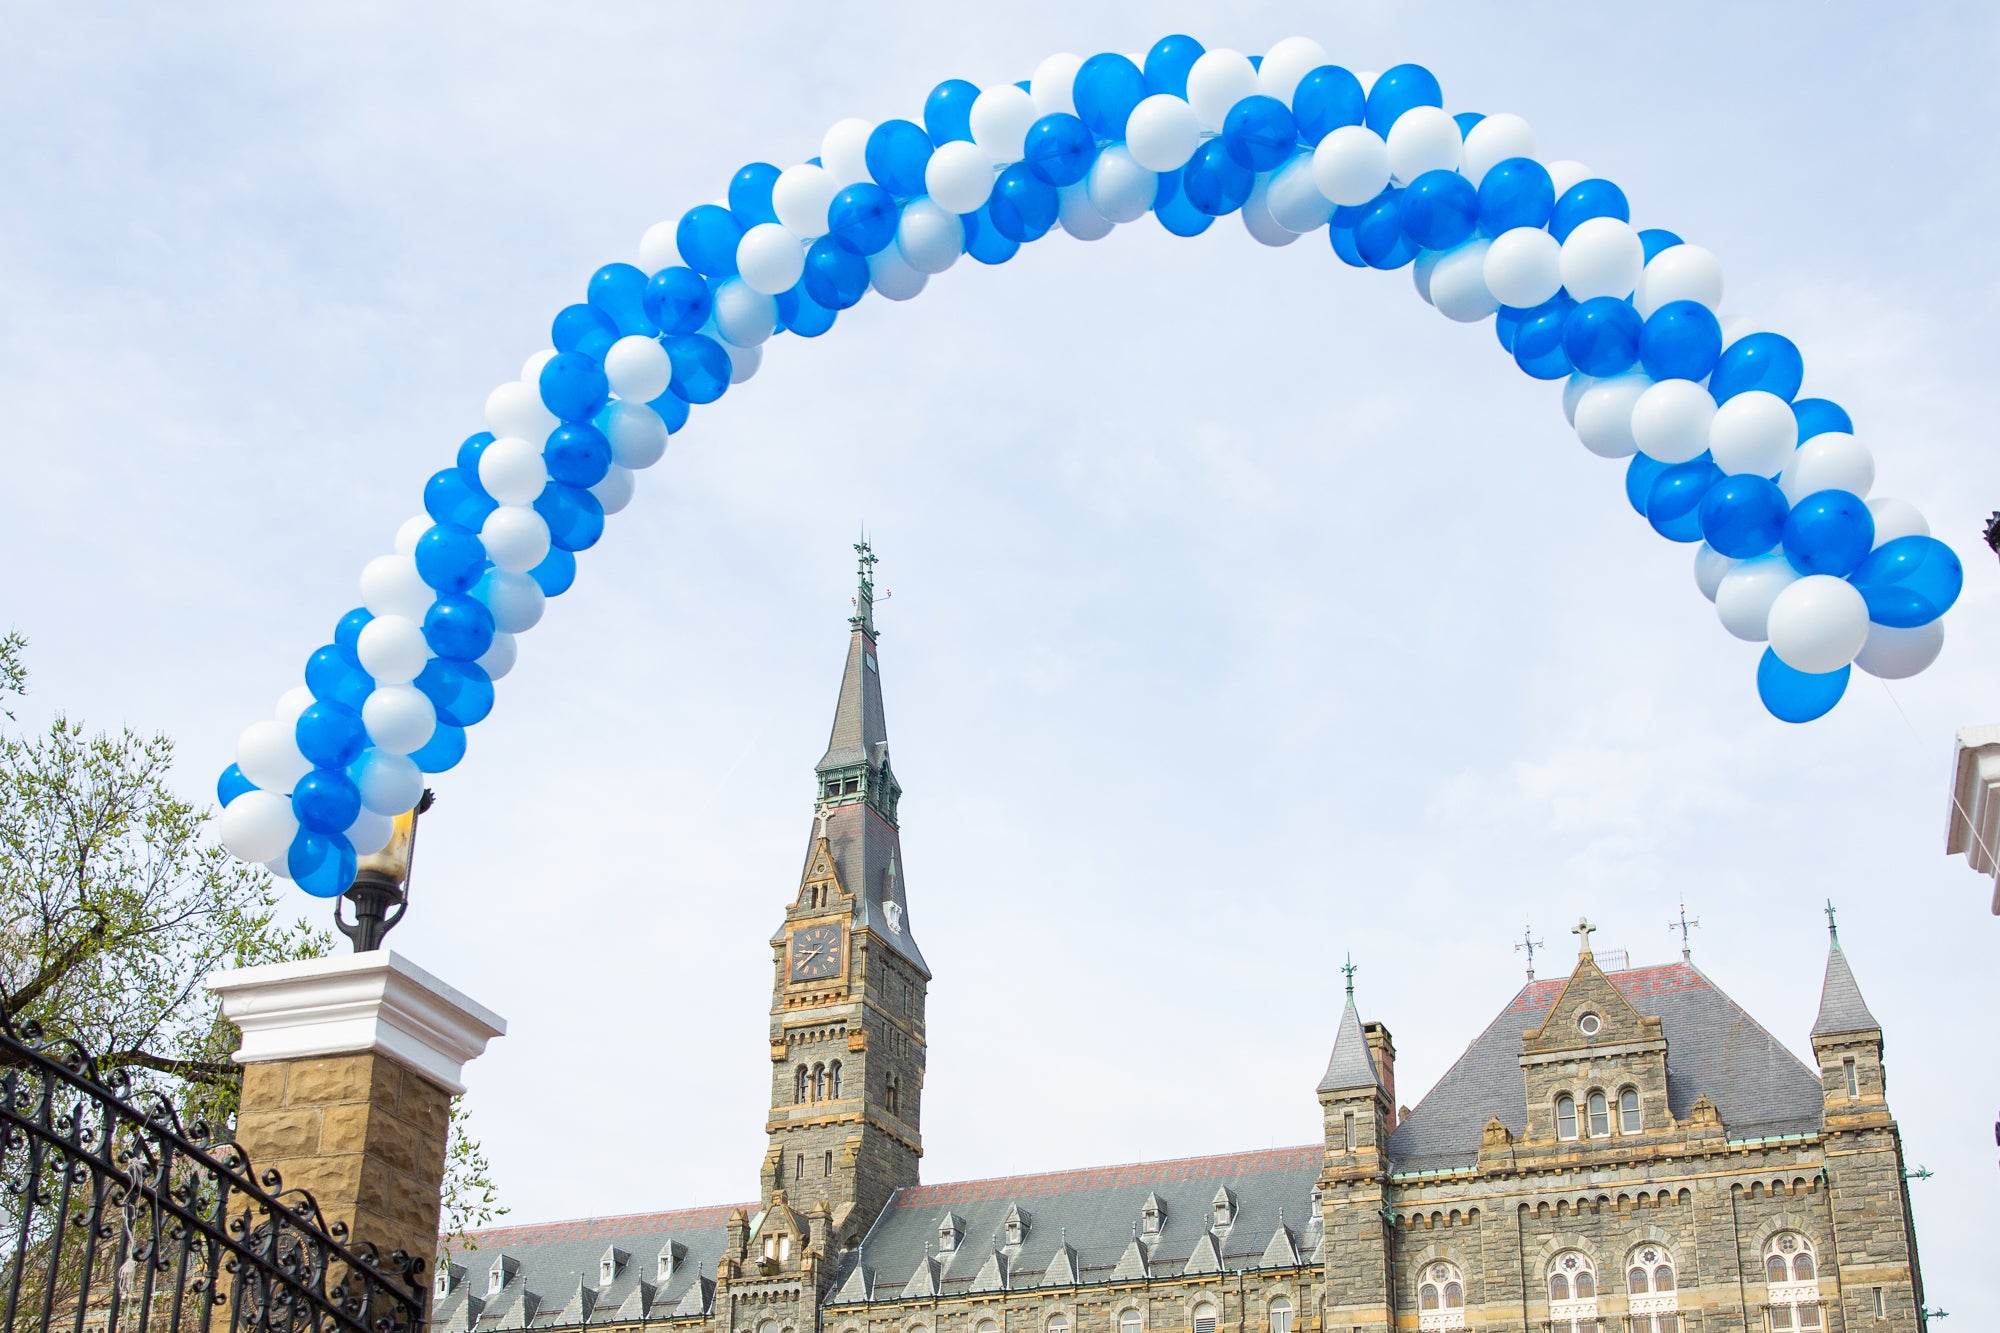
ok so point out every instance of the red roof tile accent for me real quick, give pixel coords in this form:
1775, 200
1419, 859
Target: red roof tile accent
1632, 984
605, 1228
1111, 1177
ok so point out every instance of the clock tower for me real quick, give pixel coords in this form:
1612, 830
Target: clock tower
847, 998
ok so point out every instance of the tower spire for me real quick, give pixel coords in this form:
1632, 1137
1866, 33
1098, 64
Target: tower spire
863, 618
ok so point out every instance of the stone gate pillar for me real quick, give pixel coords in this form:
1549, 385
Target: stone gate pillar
350, 1064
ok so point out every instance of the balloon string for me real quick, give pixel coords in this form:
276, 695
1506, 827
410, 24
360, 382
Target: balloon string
1958, 805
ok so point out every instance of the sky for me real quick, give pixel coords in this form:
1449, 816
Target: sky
1246, 613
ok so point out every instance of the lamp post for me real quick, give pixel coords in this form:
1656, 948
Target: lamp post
380, 892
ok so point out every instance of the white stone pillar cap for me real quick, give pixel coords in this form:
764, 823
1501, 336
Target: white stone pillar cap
1974, 821
354, 1003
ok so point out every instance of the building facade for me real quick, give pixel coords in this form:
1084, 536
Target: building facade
1618, 1150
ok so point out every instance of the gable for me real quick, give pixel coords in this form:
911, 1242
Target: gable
1588, 994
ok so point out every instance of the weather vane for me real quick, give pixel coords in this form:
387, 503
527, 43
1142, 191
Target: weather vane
1530, 943
1684, 925
1348, 968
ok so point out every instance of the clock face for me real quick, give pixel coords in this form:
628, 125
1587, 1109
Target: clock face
816, 952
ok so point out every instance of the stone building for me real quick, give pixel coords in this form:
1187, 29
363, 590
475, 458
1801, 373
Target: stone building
1618, 1150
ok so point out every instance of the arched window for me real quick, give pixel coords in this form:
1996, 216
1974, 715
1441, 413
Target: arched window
1440, 1297
805, 1080
1792, 1294
1628, 1111
1600, 1116
1058, 1323
833, 1080
893, 1095
1573, 1288
1281, 1315
1565, 1117
1204, 1319
827, 1168
987, 1326
1654, 1301
819, 1082
1128, 1321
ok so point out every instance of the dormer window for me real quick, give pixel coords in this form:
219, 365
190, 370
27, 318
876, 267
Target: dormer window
443, 1288
1016, 1226
950, 1231
666, 1269
1223, 1207
1152, 1217
496, 1279
606, 1272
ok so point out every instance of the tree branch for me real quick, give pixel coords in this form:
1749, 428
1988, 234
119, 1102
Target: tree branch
81, 948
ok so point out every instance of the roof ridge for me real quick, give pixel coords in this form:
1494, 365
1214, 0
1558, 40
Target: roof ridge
631, 1222
1315, 1150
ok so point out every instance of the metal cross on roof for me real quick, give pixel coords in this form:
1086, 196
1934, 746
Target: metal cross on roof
1582, 930
1684, 925
1348, 968
822, 812
1530, 943
1831, 927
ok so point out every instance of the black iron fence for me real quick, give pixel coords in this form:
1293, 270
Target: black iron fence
117, 1218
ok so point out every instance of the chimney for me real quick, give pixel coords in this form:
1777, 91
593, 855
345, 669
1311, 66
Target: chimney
1382, 1048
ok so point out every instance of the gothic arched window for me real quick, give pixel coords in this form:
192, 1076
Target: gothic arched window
1204, 1319
1281, 1315
1128, 1321
819, 1082
1792, 1295
804, 1080
1441, 1297
1573, 1289
1654, 1301
833, 1080
1600, 1116
892, 1095
1565, 1117
1058, 1323
1629, 1121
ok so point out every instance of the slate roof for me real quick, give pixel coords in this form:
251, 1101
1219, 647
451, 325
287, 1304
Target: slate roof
858, 722
1713, 1047
1841, 1008
1351, 1065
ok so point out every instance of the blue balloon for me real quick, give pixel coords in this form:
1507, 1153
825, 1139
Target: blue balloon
1640, 474
1791, 695
897, 153
1215, 182
701, 369
1655, 239
672, 411
1515, 192
458, 627
1674, 505
835, 276
231, 785
331, 676
1765, 361
577, 453
1345, 246
326, 800
574, 516
1023, 206
750, 194
468, 453
1586, 200
1106, 89
575, 322
802, 315
461, 692
1681, 341
321, 863
1817, 416
1175, 211
1909, 581
1465, 120
862, 218
556, 573
453, 496
1743, 516
573, 386
330, 735
706, 237
678, 300
619, 290
1398, 89
1601, 336
1059, 149
442, 751
347, 633
449, 558
1829, 532
984, 241
1506, 324
948, 111
1168, 63
1328, 98
1259, 133
1538, 339
1439, 210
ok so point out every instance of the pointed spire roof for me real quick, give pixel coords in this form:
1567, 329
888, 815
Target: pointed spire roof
1352, 1065
860, 731
1841, 1008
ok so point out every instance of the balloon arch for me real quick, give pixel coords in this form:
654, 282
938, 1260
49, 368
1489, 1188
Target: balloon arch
1722, 451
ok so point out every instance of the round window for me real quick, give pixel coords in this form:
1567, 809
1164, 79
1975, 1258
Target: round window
1590, 1023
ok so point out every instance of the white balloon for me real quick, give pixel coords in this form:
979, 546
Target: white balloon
1079, 217
1420, 272
931, 237
1602, 257
1287, 62
268, 754
614, 489
531, 369
1424, 138
1257, 219
743, 361
1833, 461
1670, 421
1743, 598
1494, 140
1735, 328
1120, 188
1604, 415
370, 832
1000, 118
516, 538
391, 586
1897, 518
392, 649
400, 718
1458, 284
1053, 82
1573, 389
638, 436
1351, 165
292, 703
407, 535
1890, 653
278, 867
1709, 567
1679, 273
1524, 267
512, 471
959, 176
1162, 132
1294, 198
769, 259
891, 275
743, 315
1818, 624
800, 197
499, 659
515, 600
258, 826
1753, 433
1565, 173
515, 408
1216, 82
637, 366
843, 152
660, 247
